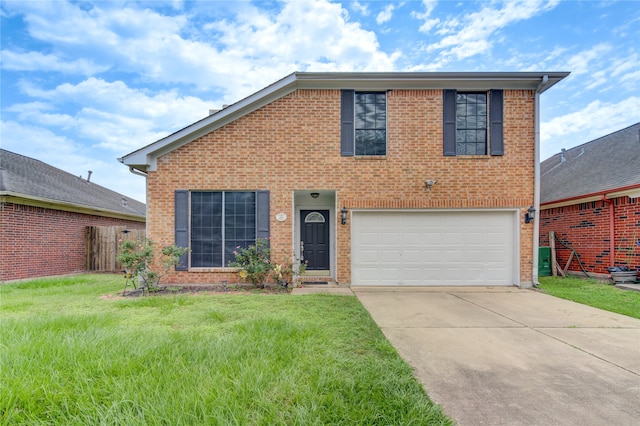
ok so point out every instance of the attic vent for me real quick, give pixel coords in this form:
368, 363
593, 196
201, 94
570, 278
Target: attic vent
124, 201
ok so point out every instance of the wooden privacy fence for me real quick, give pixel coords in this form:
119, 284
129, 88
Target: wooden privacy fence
102, 242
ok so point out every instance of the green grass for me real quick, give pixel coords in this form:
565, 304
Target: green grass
593, 293
71, 356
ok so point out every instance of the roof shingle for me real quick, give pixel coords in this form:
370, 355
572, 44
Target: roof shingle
31, 178
604, 164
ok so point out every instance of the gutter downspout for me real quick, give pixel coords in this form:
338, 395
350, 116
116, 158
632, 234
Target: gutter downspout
536, 179
137, 172
146, 191
612, 230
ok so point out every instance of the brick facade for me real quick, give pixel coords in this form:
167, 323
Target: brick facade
293, 144
586, 228
38, 241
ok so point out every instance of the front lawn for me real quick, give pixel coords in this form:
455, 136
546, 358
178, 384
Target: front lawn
593, 293
72, 354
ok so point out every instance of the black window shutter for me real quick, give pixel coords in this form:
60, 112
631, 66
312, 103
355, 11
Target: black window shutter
181, 211
495, 117
449, 122
347, 132
263, 214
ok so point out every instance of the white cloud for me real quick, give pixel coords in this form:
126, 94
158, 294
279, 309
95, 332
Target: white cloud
595, 120
36, 61
385, 15
261, 45
474, 34
65, 154
363, 9
582, 62
114, 116
429, 6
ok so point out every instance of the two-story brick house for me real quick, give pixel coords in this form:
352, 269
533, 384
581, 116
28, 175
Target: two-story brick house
396, 179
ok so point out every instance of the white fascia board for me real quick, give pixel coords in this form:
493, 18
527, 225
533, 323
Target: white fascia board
631, 193
420, 80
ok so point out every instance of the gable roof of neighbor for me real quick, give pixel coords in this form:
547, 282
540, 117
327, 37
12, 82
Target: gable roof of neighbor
605, 165
144, 159
24, 180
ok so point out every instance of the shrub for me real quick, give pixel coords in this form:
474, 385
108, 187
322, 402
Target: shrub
254, 262
137, 258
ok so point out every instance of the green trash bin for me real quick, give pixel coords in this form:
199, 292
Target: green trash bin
544, 261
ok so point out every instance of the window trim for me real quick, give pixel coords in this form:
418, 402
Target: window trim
348, 123
223, 227
495, 123
355, 128
485, 128
182, 224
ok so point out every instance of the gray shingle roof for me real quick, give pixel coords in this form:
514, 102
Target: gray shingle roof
30, 178
604, 164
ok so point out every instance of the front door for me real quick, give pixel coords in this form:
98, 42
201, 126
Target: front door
314, 239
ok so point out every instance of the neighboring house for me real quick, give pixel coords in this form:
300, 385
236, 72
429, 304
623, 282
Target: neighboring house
590, 197
396, 179
44, 212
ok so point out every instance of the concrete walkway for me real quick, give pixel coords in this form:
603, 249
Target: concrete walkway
505, 356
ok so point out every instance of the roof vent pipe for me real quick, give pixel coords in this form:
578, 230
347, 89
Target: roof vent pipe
562, 159
89, 176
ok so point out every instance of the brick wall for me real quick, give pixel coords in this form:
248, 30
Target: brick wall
39, 242
585, 228
294, 144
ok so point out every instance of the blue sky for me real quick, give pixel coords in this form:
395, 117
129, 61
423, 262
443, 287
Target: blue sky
86, 82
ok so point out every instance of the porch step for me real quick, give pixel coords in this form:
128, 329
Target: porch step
317, 281
314, 289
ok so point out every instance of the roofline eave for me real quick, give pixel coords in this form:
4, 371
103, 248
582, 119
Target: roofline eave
631, 190
29, 200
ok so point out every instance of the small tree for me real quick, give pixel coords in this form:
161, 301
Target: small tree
137, 258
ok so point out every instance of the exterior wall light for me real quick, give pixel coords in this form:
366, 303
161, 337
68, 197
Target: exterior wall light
530, 215
429, 183
343, 215
315, 194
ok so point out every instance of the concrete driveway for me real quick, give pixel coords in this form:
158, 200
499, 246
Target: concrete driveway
506, 356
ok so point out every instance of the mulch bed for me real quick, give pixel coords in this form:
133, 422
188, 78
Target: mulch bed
168, 290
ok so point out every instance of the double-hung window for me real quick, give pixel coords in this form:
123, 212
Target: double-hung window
213, 224
364, 123
473, 123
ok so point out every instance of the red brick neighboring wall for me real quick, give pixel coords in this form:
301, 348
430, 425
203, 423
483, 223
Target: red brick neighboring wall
294, 144
39, 242
585, 228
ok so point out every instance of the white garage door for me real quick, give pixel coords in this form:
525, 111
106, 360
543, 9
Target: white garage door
437, 248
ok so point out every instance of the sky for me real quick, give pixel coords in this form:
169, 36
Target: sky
86, 82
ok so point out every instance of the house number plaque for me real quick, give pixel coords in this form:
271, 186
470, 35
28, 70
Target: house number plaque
281, 217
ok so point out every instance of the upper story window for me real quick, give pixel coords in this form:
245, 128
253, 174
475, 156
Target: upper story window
370, 123
363, 123
473, 123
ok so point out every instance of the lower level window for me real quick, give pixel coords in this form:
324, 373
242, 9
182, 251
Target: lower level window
220, 223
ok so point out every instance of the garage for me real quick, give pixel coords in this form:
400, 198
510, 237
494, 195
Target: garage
434, 248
